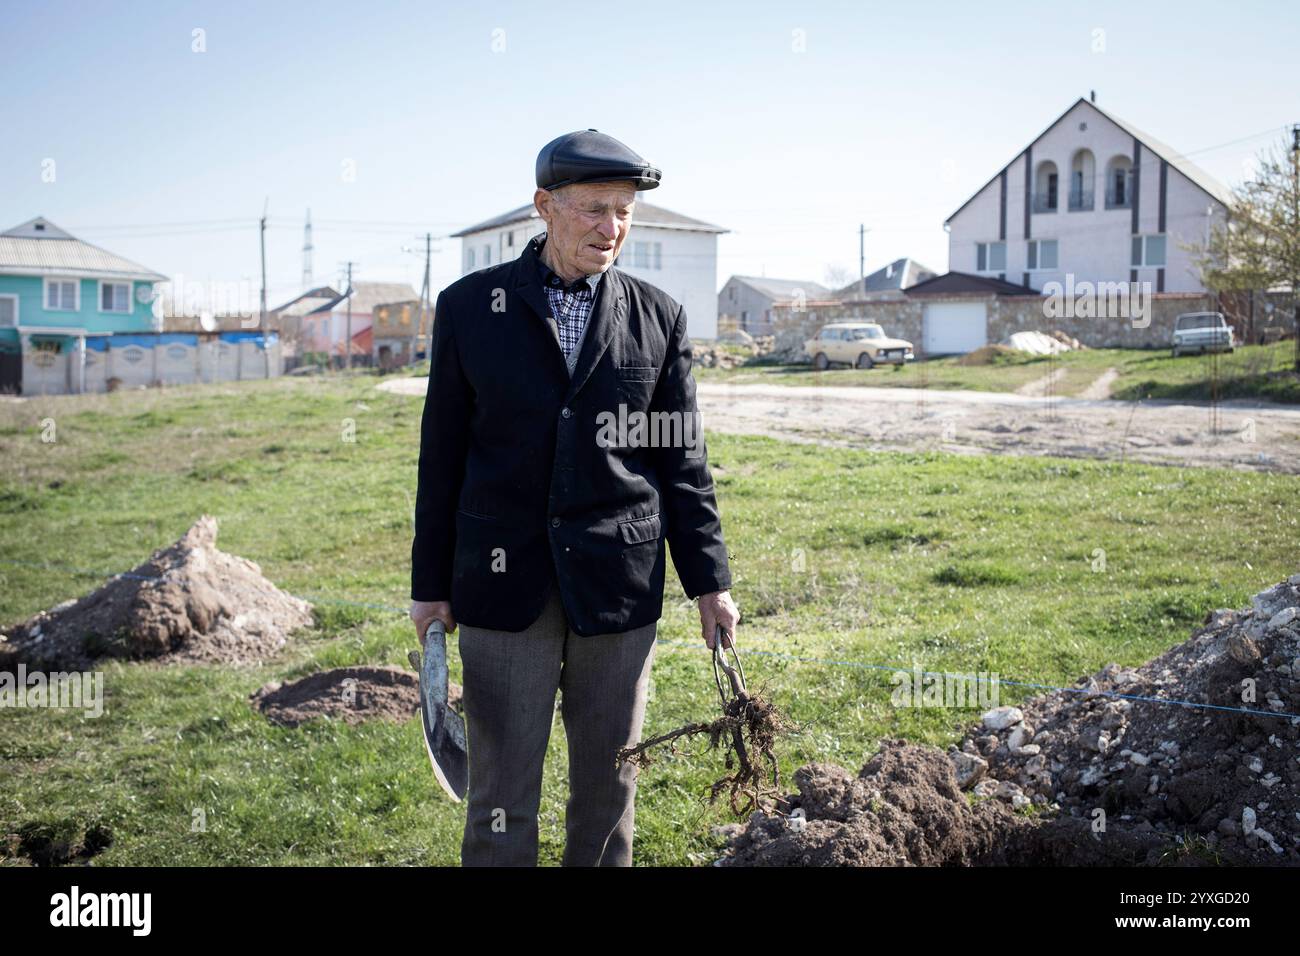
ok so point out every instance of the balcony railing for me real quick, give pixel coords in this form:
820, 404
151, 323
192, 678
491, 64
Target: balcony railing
1080, 201
1044, 202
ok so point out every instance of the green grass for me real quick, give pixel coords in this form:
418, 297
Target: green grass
965, 564
1252, 372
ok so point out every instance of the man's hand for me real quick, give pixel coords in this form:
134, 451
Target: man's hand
718, 608
423, 613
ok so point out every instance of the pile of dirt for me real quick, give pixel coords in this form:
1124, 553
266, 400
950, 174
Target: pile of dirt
989, 355
903, 809
1099, 774
1226, 772
350, 694
188, 602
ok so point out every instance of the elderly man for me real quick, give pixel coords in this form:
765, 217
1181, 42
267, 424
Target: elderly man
539, 528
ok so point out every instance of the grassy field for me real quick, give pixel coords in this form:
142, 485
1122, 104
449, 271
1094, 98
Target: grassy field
1261, 372
953, 563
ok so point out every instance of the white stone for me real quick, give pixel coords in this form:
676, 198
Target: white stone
1000, 718
1247, 820
1021, 734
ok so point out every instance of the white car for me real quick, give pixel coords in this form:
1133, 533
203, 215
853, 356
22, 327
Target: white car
1202, 332
862, 344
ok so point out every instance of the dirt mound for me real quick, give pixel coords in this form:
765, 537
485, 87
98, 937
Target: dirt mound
188, 602
351, 694
1101, 774
1228, 778
989, 355
903, 809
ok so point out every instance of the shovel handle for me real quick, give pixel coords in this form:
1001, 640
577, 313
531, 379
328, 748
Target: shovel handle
435, 623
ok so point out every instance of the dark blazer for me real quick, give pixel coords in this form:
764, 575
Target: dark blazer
518, 485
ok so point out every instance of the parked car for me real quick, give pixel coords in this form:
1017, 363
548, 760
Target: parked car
862, 344
1202, 332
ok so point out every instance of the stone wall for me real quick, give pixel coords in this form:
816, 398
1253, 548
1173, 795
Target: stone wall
902, 318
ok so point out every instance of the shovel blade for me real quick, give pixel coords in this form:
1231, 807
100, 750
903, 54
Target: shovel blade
444, 729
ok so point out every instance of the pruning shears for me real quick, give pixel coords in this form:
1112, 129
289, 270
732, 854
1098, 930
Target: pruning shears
735, 675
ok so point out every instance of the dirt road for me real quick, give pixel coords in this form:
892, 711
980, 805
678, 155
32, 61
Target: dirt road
1252, 436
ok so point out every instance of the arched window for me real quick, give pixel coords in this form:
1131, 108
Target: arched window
1119, 183
1046, 187
1083, 170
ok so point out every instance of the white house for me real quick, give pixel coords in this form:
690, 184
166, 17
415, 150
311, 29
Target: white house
1094, 198
674, 252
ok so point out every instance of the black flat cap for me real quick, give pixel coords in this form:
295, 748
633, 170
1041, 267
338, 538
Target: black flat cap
589, 156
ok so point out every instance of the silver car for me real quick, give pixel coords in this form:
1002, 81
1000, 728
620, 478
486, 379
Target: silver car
1202, 332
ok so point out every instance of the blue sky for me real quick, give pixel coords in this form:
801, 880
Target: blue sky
892, 115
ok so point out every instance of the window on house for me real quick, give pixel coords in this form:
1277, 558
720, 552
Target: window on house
115, 297
8, 311
487, 255
641, 255
1042, 254
470, 263
990, 257
659, 249
1148, 252
61, 295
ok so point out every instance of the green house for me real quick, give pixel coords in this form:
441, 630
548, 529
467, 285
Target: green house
56, 293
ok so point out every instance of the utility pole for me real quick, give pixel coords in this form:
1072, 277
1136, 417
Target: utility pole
266, 352
424, 297
862, 250
1295, 225
306, 254
348, 344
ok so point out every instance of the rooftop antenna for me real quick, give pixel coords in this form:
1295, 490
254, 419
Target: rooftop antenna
1092, 96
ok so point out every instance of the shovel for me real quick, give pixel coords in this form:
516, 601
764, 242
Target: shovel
444, 729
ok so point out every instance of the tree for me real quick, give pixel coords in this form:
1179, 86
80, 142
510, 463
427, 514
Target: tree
837, 277
1258, 245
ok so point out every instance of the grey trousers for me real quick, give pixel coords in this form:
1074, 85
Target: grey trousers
510, 681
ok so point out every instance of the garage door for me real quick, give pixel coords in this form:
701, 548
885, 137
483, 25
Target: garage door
954, 327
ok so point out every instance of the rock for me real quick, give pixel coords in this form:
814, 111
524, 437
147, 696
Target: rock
1282, 618
1247, 821
970, 768
1242, 648
1000, 718
1094, 739
1020, 735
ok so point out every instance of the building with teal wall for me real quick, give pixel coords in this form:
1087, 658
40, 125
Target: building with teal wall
56, 292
